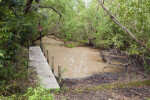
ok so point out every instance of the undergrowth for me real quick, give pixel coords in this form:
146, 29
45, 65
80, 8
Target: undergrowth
70, 45
15, 84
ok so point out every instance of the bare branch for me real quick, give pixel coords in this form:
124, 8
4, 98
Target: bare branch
29, 9
48, 7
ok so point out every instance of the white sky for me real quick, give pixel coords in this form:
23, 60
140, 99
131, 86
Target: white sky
86, 1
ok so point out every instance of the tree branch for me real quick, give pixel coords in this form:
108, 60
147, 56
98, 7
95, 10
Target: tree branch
28, 6
119, 24
29, 3
38, 5
60, 15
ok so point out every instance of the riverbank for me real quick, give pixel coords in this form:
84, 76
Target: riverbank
98, 86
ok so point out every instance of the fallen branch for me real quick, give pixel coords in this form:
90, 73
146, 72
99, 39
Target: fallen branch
136, 92
119, 24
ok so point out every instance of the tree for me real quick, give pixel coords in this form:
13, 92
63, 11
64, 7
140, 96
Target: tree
119, 24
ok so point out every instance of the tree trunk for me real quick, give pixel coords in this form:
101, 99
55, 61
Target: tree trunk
119, 24
28, 6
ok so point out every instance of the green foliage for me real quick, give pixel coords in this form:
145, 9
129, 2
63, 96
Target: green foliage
146, 64
38, 93
97, 24
14, 76
147, 98
15, 29
70, 45
57, 91
1, 59
80, 22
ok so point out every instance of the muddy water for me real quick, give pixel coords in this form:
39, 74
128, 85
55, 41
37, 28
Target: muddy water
77, 62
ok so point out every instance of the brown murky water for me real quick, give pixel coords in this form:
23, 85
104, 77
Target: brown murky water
77, 62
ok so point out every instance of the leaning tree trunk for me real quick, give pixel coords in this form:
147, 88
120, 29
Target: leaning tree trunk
120, 25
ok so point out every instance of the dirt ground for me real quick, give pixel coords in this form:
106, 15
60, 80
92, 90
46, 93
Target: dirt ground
135, 93
77, 89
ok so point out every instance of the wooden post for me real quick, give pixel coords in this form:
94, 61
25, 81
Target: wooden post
42, 47
40, 41
40, 36
47, 56
28, 52
44, 50
59, 74
53, 64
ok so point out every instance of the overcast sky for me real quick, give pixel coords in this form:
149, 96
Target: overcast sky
86, 1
